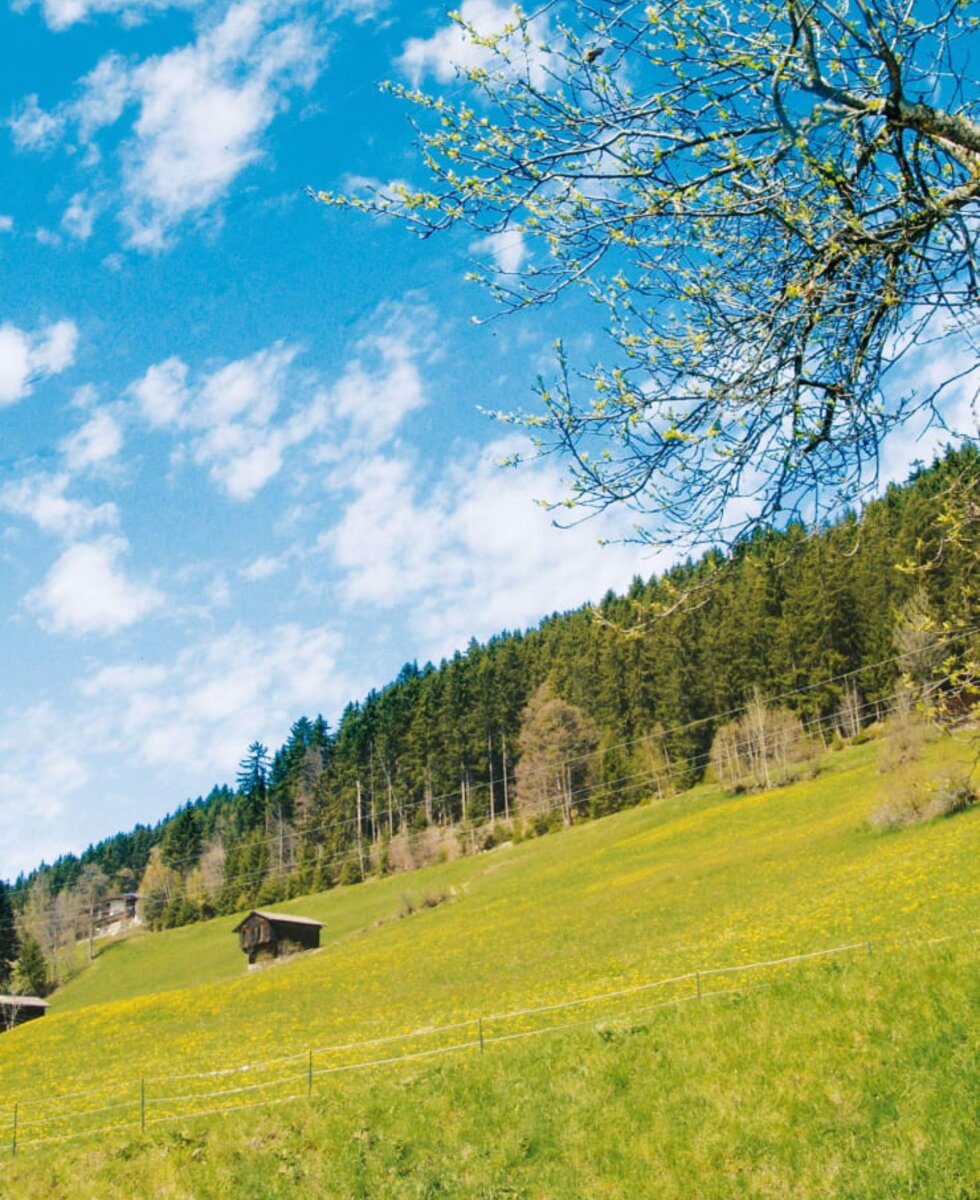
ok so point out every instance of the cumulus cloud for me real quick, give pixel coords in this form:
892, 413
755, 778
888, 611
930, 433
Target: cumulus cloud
41, 498
184, 721
40, 775
79, 217
201, 111
473, 552
26, 358
451, 47
62, 14
6, 224
507, 249
34, 129
382, 383
241, 680
235, 420
97, 442
240, 421
88, 591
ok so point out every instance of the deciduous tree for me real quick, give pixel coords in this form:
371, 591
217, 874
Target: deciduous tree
774, 202
556, 746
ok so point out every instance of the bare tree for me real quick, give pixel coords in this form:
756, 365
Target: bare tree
556, 745
759, 749
849, 711
774, 204
50, 920
204, 882
90, 892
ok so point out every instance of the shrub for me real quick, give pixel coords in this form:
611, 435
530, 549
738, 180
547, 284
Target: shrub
904, 736
925, 801
762, 749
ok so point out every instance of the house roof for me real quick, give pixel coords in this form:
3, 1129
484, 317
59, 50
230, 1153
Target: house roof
282, 918
24, 1001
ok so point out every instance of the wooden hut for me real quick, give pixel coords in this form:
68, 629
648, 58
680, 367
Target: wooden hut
265, 936
15, 1010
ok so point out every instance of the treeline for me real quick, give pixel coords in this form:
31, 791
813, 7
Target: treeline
433, 761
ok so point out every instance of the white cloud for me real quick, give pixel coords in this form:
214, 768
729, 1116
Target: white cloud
99, 440
234, 420
54, 352
105, 92
240, 420
6, 224
264, 567
451, 47
41, 498
34, 129
40, 775
161, 392
507, 249
185, 719
79, 217
201, 111
26, 358
46, 237
929, 370
474, 555
62, 14
218, 694
87, 591
382, 384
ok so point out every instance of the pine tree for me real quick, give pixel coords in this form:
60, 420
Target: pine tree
9, 942
32, 975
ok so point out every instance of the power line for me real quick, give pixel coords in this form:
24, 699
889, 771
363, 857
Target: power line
677, 767
670, 772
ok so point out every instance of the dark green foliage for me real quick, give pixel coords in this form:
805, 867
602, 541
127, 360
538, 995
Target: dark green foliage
180, 847
32, 976
656, 672
9, 942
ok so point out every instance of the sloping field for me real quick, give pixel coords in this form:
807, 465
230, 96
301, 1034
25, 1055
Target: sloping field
825, 1077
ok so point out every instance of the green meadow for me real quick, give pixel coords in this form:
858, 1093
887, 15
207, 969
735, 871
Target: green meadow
851, 1075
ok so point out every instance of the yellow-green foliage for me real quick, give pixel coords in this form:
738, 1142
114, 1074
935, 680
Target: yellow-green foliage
694, 882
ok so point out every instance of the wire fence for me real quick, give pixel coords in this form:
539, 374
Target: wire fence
150, 1101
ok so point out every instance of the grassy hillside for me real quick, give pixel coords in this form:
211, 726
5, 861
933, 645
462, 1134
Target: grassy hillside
857, 1069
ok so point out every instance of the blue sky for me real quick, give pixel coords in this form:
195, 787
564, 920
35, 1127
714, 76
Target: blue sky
244, 471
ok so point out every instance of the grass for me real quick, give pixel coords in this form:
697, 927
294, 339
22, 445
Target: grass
849, 1077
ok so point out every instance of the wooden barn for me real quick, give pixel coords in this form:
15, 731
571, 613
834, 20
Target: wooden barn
15, 1010
265, 936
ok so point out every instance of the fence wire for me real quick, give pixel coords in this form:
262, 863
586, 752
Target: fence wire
182, 1099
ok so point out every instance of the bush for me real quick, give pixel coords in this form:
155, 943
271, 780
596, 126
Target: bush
904, 738
943, 797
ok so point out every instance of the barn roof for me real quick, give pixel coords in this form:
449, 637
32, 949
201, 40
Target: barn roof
24, 1001
284, 918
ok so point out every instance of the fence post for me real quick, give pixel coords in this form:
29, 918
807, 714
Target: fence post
309, 1076
480, 1023
697, 980
142, 1103
13, 1144
869, 949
